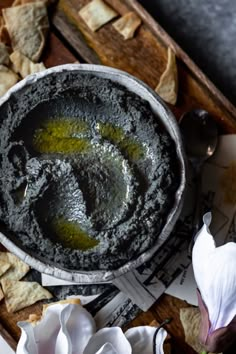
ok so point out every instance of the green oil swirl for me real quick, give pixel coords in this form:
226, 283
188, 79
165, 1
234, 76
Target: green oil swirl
116, 135
70, 235
61, 136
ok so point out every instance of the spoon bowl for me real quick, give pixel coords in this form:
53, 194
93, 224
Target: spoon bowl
200, 135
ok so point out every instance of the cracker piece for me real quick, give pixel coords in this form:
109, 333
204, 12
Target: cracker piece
23, 2
7, 79
4, 54
190, 318
4, 35
1, 294
4, 266
167, 88
33, 319
18, 268
21, 294
73, 301
2, 22
127, 24
23, 65
27, 26
96, 14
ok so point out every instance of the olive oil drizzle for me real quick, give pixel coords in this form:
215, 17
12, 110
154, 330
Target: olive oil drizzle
71, 235
70, 136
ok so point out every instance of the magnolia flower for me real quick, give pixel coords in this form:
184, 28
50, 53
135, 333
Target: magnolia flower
215, 274
70, 329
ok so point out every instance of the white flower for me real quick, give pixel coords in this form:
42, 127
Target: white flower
215, 274
70, 329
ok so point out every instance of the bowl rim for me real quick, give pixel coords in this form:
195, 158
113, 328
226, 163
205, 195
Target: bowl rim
167, 118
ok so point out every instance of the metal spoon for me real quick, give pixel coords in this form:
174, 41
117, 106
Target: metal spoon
200, 136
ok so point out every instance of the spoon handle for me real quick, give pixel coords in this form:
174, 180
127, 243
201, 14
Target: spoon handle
197, 216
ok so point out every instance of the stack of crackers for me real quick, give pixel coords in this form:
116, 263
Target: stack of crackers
18, 294
23, 29
97, 13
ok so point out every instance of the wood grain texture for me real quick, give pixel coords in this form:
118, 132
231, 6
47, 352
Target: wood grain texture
166, 307
56, 53
144, 56
9, 320
7, 337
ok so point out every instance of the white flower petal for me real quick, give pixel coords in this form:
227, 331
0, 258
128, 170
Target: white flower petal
215, 274
107, 349
46, 331
161, 336
204, 245
141, 339
42, 335
63, 343
114, 336
65, 328
80, 326
27, 342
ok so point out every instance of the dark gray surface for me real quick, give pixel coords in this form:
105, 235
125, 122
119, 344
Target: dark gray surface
206, 30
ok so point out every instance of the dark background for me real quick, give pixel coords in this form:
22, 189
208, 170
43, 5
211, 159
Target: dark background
206, 31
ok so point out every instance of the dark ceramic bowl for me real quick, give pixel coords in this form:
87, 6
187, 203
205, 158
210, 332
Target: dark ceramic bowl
111, 212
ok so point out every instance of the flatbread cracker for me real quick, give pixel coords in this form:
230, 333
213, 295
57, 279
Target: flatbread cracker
74, 301
190, 318
1, 294
4, 35
21, 294
4, 54
18, 268
4, 266
7, 79
2, 22
27, 26
23, 65
127, 24
23, 2
167, 88
96, 14
35, 318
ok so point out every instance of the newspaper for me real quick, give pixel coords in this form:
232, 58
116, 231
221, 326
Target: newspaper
170, 268
219, 196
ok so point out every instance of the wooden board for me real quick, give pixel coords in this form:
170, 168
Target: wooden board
144, 57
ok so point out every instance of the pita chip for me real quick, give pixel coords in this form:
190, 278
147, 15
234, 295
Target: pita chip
23, 2
7, 79
21, 294
4, 54
4, 266
190, 318
23, 65
4, 35
1, 294
73, 301
18, 268
35, 318
167, 88
127, 25
27, 26
96, 14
